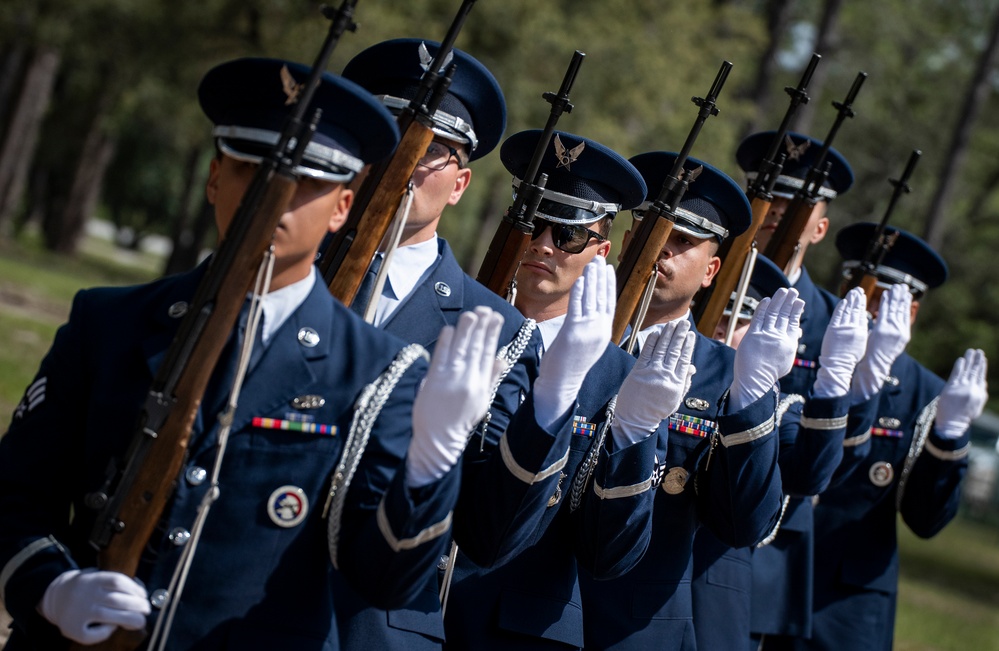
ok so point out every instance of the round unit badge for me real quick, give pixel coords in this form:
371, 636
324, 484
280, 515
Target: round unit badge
287, 506
675, 480
881, 474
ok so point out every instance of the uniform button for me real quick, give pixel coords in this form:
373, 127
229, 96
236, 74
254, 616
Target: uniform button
178, 536
159, 598
196, 475
442, 563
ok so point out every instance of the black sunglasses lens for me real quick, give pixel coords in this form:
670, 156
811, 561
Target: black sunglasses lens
571, 239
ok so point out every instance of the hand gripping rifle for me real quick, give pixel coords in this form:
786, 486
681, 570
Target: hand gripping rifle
346, 259
710, 304
513, 236
783, 246
135, 493
638, 264
864, 275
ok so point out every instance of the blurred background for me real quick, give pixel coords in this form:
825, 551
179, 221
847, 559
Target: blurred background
104, 153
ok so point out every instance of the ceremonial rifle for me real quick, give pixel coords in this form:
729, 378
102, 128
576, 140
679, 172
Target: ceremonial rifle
864, 275
783, 245
346, 259
710, 303
135, 493
638, 263
513, 236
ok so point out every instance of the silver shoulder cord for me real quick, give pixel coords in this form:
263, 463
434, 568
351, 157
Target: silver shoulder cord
923, 426
392, 238
161, 631
366, 410
510, 353
782, 408
589, 464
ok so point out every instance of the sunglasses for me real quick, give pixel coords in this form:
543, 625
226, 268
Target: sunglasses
566, 237
438, 156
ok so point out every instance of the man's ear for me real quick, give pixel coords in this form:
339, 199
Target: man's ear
212, 184
342, 208
461, 181
604, 248
821, 228
714, 265
913, 310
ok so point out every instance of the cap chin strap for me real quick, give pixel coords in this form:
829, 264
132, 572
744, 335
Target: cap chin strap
314, 152
445, 125
599, 210
893, 275
695, 219
797, 184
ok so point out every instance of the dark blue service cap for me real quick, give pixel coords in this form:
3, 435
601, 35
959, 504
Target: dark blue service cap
801, 152
766, 279
713, 205
248, 101
473, 112
910, 260
586, 180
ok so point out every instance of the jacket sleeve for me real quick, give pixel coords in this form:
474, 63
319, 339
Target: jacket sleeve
930, 495
615, 523
41, 459
390, 536
812, 445
738, 483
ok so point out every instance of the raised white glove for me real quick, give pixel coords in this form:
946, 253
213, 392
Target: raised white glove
455, 394
964, 396
843, 345
886, 342
87, 606
656, 384
766, 353
579, 344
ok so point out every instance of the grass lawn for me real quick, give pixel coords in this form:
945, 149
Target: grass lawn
36, 290
949, 589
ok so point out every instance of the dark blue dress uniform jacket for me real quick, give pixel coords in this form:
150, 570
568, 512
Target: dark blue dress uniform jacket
819, 306
253, 584
748, 581
734, 490
856, 551
533, 600
419, 319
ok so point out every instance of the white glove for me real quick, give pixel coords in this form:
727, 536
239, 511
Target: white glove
87, 606
843, 345
766, 353
964, 395
886, 342
455, 394
579, 344
656, 384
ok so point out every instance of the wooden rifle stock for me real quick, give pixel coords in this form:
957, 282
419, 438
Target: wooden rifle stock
132, 500
513, 236
356, 242
783, 245
638, 261
711, 303
865, 274
348, 256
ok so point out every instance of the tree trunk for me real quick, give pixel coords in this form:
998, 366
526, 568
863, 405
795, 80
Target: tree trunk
826, 43
978, 91
63, 232
184, 252
762, 95
11, 73
18, 148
